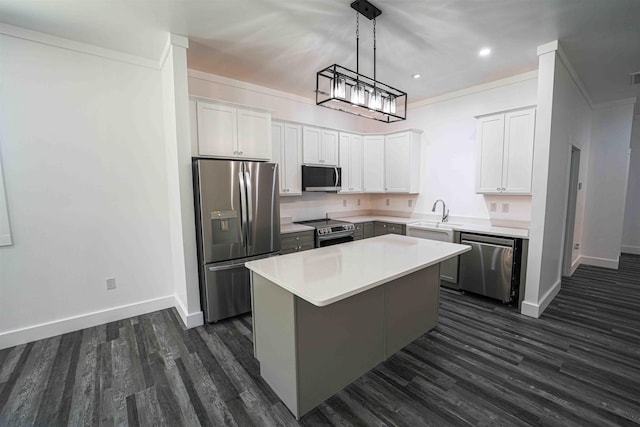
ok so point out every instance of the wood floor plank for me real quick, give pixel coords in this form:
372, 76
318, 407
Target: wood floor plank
484, 364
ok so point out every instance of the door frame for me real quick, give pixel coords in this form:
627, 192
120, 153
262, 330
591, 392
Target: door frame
570, 220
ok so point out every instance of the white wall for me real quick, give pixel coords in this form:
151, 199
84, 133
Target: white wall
317, 205
180, 182
563, 119
81, 139
448, 168
607, 189
631, 230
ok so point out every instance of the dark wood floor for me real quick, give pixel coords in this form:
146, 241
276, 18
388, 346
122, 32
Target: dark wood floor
579, 364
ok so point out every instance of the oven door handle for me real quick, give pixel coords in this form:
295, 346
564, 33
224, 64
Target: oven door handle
335, 235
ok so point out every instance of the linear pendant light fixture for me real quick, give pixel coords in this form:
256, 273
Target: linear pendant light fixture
349, 91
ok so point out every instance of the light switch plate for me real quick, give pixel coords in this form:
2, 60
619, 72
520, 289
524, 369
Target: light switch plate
387, 202
505, 208
344, 203
493, 207
111, 283
410, 203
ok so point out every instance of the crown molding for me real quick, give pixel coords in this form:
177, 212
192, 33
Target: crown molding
239, 84
615, 103
530, 75
67, 44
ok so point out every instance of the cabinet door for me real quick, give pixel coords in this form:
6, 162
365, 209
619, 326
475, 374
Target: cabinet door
217, 130
490, 139
311, 138
351, 162
369, 230
380, 228
397, 161
373, 164
254, 134
292, 159
329, 148
277, 151
517, 166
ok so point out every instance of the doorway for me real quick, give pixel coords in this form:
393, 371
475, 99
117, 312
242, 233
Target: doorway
572, 199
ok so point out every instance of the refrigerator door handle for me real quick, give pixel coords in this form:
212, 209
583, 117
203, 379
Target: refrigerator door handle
249, 205
243, 207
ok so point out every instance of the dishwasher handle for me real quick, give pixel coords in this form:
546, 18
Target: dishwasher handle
495, 241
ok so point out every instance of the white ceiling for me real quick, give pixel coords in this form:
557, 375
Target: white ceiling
282, 44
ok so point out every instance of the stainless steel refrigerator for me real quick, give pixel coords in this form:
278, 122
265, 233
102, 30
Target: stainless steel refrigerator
237, 219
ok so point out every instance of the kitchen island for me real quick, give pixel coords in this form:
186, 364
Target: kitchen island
324, 317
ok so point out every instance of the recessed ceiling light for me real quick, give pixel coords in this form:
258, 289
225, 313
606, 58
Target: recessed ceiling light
485, 51
416, 76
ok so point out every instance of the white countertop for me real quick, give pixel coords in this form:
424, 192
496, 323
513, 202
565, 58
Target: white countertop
521, 233
368, 218
294, 228
325, 275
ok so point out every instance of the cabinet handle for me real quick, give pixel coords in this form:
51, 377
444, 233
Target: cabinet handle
503, 189
235, 153
498, 188
297, 238
240, 153
385, 188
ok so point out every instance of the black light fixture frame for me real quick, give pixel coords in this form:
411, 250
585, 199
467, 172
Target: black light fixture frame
326, 78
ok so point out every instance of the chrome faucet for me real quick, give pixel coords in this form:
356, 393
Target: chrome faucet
445, 215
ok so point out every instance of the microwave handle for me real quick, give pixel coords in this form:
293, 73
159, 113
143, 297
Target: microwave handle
336, 170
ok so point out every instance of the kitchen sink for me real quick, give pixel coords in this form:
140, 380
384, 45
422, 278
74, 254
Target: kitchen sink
433, 226
443, 232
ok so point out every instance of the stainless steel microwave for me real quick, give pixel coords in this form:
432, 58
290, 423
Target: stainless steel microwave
321, 178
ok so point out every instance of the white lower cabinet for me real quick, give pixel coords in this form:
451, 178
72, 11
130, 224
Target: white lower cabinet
287, 152
351, 162
402, 162
505, 152
373, 164
232, 132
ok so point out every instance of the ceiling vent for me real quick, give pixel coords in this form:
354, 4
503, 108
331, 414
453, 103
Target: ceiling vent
635, 78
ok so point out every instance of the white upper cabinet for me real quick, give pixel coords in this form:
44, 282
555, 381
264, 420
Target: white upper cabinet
505, 159
287, 152
254, 130
230, 132
402, 162
373, 164
351, 162
320, 146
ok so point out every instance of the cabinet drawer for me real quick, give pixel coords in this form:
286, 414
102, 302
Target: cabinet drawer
382, 228
395, 228
292, 241
358, 233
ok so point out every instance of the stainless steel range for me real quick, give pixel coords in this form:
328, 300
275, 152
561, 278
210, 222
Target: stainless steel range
331, 231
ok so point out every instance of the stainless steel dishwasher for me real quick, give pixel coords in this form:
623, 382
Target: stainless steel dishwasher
491, 268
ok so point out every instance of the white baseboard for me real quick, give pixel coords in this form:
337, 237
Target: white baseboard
70, 324
635, 250
536, 309
575, 264
190, 320
600, 262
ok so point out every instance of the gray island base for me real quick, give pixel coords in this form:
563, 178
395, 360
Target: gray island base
308, 353
324, 317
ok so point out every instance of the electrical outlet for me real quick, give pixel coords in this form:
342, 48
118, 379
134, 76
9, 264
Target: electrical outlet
344, 203
579, 186
358, 202
388, 202
493, 207
410, 203
505, 208
111, 283
576, 246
